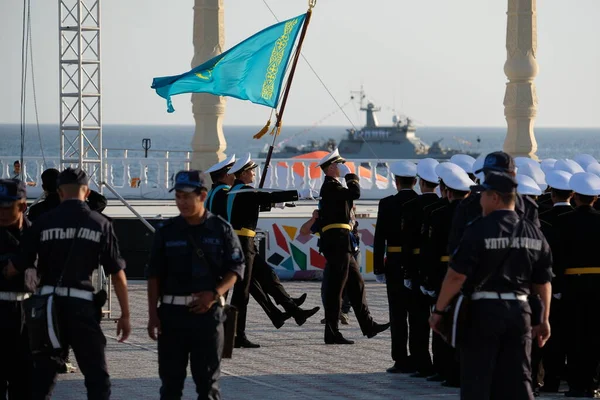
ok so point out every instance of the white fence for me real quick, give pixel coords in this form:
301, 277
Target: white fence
136, 177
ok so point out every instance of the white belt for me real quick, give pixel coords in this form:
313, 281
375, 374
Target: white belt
176, 300
14, 296
498, 296
67, 292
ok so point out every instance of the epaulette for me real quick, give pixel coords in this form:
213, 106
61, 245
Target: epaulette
222, 219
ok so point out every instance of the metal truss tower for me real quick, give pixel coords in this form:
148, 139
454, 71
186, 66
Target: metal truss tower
81, 88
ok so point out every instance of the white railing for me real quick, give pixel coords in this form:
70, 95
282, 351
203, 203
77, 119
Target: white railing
137, 177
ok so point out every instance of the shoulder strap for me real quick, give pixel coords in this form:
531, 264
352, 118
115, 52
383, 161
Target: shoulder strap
214, 270
230, 199
211, 195
504, 258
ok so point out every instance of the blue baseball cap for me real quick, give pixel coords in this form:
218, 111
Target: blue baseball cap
497, 181
11, 190
498, 161
188, 181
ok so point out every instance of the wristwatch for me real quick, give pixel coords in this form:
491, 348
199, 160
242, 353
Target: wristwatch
436, 311
219, 299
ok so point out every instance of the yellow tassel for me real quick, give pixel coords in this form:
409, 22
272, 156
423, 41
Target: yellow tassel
264, 130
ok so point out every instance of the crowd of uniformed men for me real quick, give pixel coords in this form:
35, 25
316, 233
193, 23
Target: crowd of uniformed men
498, 230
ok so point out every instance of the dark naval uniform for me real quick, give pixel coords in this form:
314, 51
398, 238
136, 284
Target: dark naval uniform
216, 200
578, 263
497, 344
544, 202
72, 241
418, 315
15, 357
388, 260
185, 335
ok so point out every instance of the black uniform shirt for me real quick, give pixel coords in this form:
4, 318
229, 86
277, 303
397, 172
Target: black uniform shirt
387, 227
243, 208
335, 207
216, 200
50, 240
483, 251
544, 202
551, 231
174, 262
579, 238
470, 209
10, 239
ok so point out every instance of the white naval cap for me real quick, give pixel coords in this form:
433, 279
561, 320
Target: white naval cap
426, 170
585, 183
558, 180
527, 186
521, 161
402, 168
333, 157
593, 168
442, 168
456, 179
464, 161
547, 164
243, 164
228, 162
535, 172
478, 164
584, 160
568, 165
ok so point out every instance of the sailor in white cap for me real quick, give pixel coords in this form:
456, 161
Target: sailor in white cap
593, 168
387, 259
410, 232
533, 170
585, 160
464, 161
243, 206
578, 264
335, 209
216, 200
527, 187
435, 256
553, 354
568, 165
547, 164
477, 166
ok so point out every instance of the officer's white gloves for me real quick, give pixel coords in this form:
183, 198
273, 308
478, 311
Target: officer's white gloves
557, 296
408, 283
380, 278
430, 293
344, 169
423, 290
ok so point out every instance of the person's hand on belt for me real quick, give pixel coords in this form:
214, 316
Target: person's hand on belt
202, 301
408, 283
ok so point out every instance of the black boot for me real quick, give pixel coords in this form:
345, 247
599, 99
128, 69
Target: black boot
279, 319
302, 315
377, 328
300, 300
242, 341
335, 337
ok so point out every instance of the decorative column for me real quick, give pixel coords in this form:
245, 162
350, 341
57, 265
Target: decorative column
520, 100
208, 143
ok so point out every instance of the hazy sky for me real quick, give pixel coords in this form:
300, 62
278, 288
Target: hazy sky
438, 61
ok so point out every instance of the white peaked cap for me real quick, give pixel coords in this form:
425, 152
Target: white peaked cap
584, 160
403, 168
426, 170
457, 179
535, 172
594, 169
521, 161
585, 183
478, 164
558, 180
569, 166
243, 164
527, 186
443, 169
333, 157
464, 161
547, 164
220, 165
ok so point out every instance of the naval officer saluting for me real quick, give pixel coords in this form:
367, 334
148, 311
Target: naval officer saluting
216, 199
334, 213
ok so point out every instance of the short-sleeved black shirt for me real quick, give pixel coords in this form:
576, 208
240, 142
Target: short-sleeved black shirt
487, 242
50, 240
174, 262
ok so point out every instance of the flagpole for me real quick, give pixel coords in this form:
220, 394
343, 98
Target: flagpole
286, 92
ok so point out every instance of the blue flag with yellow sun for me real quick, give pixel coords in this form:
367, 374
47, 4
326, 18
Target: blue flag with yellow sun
253, 70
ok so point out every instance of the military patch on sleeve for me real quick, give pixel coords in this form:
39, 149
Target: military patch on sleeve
236, 255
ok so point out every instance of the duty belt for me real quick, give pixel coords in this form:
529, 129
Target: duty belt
336, 226
444, 258
67, 292
245, 232
582, 271
498, 296
14, 296
394, 249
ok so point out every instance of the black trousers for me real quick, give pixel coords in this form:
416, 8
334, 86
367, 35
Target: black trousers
15, 357
445, 359
583, 347
495, 355
197, 338
398, 303
554, 352
346, 305
419, 333
343, 272
79, 327
271, 285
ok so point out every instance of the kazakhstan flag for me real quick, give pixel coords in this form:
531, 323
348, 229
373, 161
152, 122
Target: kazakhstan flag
253, 70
